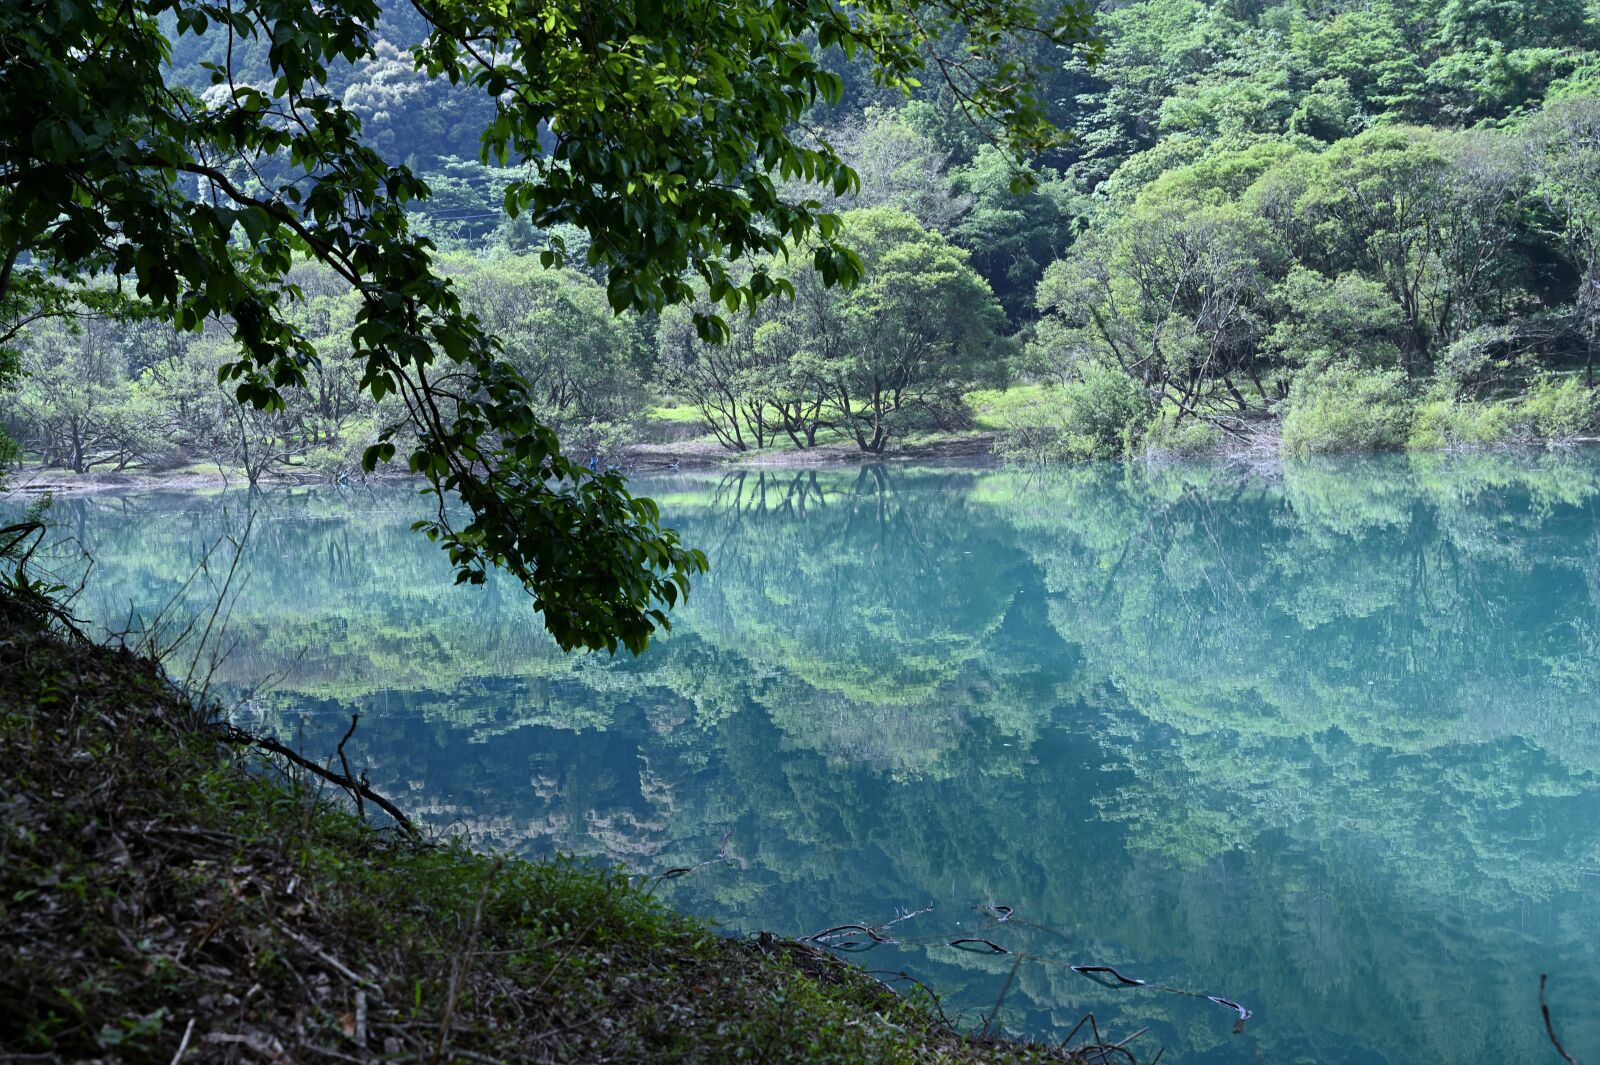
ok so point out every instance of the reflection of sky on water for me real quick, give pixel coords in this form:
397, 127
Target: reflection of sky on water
1324, 741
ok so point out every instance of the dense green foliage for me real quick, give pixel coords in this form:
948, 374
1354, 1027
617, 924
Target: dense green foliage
1342, 408
1397, 188
907, 342
661, 132
1254, 197
107, 393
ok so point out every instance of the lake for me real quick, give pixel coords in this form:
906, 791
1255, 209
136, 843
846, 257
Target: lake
1322, 740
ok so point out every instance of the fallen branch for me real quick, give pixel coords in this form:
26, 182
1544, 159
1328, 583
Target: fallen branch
330, 961
871, 933
357, 788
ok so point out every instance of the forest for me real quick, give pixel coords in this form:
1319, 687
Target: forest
1295, 227
1097, 755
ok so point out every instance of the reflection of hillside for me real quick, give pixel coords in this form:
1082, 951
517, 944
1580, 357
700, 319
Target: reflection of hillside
1324, 740
861, 610
871, 604
1323, 936
1320, 658
875, 586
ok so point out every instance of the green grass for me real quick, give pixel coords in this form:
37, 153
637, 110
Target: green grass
160, 887
1006, 408
992, 408
678, 413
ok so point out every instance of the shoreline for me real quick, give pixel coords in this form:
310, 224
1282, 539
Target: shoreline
234, 866
973, 449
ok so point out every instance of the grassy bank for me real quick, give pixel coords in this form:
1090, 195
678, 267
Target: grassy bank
1104, 414
164, 895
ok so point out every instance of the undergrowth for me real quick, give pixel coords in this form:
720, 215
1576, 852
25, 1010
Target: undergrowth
166, 896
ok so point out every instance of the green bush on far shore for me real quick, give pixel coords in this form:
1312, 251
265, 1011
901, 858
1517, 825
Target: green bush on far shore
1346, 409
1552, 409
1104, 413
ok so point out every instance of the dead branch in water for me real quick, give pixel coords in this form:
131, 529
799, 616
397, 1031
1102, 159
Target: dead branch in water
1548, 1026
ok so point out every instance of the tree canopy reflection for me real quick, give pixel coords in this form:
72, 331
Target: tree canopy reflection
1320, 737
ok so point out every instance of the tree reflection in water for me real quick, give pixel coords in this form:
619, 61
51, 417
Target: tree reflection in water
1323, 739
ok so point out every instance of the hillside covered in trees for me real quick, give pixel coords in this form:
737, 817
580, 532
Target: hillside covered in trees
1313, 735
1322, 227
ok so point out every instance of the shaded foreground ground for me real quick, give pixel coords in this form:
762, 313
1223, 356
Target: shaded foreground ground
166, 897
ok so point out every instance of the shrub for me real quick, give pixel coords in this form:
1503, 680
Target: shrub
1101, 414
1442, 421
1551, 409
1345, 409
1559, 410
1479, 358
1168, 437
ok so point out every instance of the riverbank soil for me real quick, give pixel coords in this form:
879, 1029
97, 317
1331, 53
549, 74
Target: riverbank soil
167, 896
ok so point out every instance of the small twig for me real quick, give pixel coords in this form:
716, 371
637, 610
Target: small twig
933, 996
184, 1045
906, 917
1087, 1018
572, 945
329, 1052
1005, 989
361, 807
470, 1056
1548, 1026
222, 600
463, 964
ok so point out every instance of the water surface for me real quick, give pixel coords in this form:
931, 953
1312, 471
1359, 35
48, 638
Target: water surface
1322, 740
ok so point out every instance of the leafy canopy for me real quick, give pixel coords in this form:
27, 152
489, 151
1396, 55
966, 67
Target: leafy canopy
659, 130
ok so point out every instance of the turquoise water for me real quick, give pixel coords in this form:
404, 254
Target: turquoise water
1322, 740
